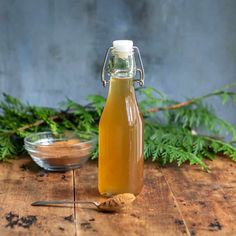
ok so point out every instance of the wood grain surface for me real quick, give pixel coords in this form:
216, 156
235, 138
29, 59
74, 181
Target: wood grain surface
22, 182
174, 201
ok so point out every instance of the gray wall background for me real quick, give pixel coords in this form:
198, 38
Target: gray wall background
50, 49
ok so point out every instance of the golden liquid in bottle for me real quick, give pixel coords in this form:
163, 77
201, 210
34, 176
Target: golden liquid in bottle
120, 141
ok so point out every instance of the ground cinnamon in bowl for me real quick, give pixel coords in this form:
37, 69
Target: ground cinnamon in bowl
58, 153
66, 152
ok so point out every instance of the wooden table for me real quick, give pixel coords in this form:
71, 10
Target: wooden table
174, 201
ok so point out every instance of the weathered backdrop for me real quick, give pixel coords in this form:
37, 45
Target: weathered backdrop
50, 49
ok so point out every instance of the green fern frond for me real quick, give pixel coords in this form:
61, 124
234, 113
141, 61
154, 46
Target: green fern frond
97, 102
7, 148
168, 133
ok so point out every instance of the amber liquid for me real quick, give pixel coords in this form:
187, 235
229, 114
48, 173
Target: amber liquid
120, 141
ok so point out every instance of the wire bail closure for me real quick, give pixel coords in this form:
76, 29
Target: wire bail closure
140, 81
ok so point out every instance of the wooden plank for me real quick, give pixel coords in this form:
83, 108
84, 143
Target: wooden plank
22, 182
224, 172
153, 213
208, 209
174, 201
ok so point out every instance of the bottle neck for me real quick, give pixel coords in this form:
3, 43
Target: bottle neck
121, 88
122, 65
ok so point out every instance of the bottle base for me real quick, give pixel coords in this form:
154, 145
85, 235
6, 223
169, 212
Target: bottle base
111, 194
108, 194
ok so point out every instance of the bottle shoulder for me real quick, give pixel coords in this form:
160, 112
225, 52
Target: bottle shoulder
122, 113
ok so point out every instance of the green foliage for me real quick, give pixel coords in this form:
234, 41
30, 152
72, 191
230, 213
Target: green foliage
97, 102
201, 115
149, 98
172, 128
175, 144
169, 144
82, 118
7, 148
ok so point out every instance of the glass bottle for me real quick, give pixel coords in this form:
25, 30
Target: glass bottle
120, 164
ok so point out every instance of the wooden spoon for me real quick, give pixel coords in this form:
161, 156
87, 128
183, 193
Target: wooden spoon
112, 204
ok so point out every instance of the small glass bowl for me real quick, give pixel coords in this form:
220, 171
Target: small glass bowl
60, 152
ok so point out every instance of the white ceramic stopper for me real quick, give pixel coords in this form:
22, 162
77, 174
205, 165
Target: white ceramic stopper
123, 45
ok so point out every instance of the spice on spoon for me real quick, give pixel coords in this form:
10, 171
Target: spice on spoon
116, 203
113, 204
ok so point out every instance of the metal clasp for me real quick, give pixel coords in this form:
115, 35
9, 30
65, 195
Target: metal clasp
104, 81
140, 81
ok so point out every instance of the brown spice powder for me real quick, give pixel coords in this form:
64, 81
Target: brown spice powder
62, 153
116, 202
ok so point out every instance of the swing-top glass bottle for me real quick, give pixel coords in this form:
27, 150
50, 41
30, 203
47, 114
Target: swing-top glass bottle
121, 125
